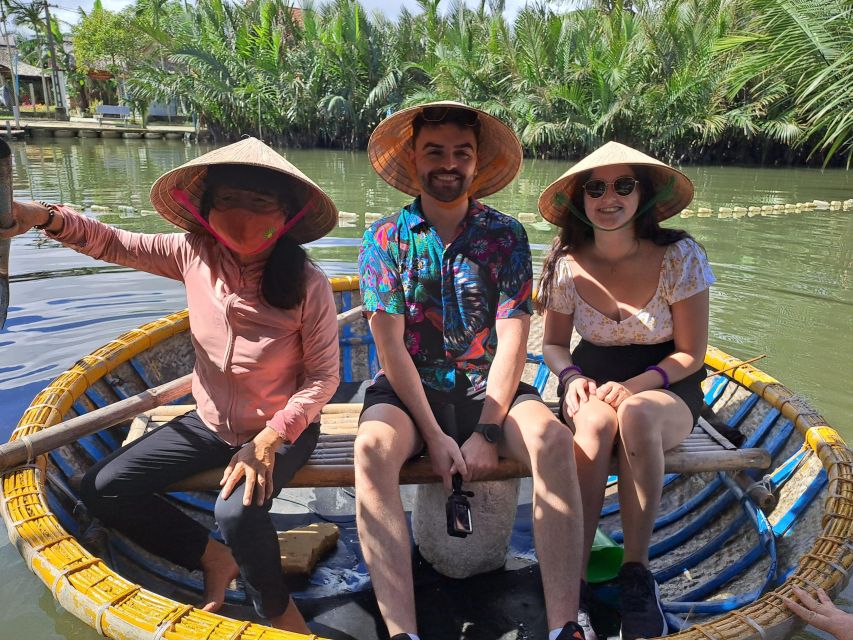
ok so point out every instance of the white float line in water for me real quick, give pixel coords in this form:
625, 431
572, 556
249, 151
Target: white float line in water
350, 219
770, 210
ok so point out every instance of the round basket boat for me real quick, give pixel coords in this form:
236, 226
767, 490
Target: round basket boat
728, 544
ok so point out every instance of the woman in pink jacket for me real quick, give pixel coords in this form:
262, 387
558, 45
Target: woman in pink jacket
263, 327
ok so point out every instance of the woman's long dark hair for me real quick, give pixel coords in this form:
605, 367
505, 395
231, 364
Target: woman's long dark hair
284, 281
577, 233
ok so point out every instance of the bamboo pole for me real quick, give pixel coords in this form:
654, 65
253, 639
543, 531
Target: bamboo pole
735, 366
28, 447
338, 470
349, 316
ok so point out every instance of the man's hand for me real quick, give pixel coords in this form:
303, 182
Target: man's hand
446, 459
480, 456
256, 461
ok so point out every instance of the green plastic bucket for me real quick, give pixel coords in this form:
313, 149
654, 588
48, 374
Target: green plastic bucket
605, 559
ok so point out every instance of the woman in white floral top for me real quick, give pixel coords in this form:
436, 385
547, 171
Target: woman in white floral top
638, 296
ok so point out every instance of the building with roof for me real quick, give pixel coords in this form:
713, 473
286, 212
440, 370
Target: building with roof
33, 83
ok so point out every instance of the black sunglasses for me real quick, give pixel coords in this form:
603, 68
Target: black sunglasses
623, 186
464, 117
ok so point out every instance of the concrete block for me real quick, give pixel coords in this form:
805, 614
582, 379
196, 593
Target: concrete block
493, 509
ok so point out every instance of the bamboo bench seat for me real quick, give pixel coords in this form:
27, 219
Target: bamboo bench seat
331, 464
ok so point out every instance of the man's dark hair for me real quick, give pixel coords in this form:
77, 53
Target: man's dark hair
462, 118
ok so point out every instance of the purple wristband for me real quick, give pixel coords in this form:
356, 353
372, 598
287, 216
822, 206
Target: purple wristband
569, 369
662, 373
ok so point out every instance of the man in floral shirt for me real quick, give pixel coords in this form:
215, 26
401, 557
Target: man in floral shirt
446, 283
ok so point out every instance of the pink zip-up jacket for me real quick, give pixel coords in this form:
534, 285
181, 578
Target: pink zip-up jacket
256, 365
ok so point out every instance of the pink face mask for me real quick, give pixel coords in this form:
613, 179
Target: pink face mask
246, 234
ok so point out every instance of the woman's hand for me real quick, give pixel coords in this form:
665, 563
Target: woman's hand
821, 613
26, 215
613, 393
578, 390
255, 461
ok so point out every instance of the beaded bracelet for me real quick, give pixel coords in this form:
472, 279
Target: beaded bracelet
569, 369
662, 373
51, 212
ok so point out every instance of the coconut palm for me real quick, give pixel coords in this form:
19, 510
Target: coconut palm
794, 61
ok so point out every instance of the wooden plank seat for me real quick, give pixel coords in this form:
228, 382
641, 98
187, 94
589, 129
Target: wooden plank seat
331, 464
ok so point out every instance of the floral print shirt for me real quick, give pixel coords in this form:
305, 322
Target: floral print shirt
684, 272
451, 297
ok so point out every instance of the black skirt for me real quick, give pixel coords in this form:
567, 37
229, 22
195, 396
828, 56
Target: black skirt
619, 363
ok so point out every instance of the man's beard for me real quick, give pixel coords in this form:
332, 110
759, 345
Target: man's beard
445, 191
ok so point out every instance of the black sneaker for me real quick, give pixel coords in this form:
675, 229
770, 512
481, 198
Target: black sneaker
572, 631
584, 620
640, 608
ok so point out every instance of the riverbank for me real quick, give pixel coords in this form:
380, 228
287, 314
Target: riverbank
109, 128
79, 127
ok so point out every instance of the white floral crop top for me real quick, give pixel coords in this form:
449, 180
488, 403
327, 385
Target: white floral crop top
684, 272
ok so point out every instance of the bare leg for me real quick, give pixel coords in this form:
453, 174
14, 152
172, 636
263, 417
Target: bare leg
595, 432
291, 620
386, 439
650, 423
219, 569
534, 437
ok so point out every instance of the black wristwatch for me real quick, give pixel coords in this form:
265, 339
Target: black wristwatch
491, 432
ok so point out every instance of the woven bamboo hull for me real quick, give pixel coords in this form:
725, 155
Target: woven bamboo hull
722, 563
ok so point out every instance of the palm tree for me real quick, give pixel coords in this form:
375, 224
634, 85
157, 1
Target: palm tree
793, 62
683, 79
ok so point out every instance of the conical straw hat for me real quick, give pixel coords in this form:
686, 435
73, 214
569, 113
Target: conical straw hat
190, 177
499, 151
674, 190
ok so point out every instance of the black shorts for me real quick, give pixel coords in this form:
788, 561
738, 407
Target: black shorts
618, 363
457, 411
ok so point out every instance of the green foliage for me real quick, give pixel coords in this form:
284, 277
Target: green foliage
794, 61
719, 80
105, 40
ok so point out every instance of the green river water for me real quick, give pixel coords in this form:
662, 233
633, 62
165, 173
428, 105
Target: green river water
785, 284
